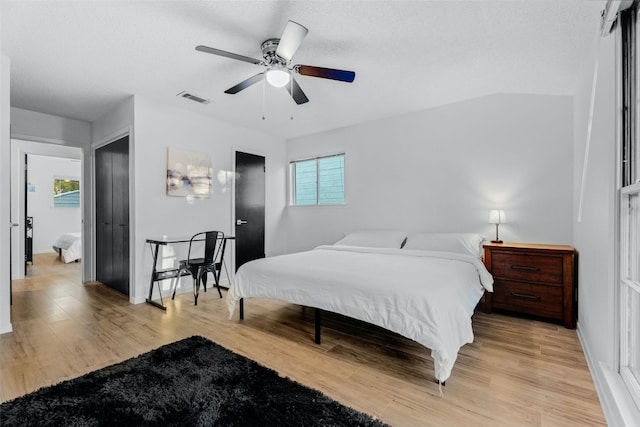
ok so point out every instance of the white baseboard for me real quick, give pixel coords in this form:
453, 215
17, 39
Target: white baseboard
5, 329
618, 406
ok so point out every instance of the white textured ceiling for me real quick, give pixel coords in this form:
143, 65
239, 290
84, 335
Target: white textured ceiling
79, 59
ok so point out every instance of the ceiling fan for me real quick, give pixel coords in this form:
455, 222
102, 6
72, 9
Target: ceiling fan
277, 54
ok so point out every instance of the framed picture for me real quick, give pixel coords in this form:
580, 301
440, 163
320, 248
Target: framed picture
189, 173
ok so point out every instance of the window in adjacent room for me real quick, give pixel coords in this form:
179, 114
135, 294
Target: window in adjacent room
629, 193
66, 193
318, 181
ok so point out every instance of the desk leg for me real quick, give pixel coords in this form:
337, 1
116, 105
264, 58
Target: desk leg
216, 272
153, 279
317, 325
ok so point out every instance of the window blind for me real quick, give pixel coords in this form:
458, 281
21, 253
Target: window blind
318, 181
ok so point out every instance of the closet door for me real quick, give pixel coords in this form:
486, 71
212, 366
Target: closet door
120, 203
112, 215
104, 216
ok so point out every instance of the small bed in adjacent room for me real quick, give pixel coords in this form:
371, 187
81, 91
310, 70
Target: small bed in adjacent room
425, 290
69, 247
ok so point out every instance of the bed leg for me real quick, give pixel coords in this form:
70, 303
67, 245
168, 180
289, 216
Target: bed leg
241, 308
317, 324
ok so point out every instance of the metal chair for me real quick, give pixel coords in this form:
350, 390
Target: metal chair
210, 262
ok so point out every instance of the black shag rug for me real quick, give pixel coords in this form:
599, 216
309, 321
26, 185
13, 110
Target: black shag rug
192, 382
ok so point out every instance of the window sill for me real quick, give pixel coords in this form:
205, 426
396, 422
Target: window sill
317, 206
618, 405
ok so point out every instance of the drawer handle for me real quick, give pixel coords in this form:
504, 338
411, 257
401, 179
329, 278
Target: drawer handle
525, 296
522, 267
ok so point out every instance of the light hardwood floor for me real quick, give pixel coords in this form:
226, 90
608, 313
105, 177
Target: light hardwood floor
517, 372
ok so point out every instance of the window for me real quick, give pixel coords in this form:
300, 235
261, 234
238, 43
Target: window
318, 181
629, 193
66, 193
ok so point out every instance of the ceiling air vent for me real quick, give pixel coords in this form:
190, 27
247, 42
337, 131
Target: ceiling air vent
192, 97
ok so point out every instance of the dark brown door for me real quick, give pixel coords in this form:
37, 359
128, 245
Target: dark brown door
250, 199
112, 215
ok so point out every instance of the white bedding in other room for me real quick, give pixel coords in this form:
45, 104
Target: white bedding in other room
71, 246
425, 296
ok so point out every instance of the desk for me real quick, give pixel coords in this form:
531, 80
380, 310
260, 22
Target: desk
157, 275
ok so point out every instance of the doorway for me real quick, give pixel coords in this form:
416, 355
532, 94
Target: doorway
53, 215
249, 207
46, 161
112, 214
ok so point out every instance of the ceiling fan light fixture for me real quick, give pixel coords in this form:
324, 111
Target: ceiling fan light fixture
277, 77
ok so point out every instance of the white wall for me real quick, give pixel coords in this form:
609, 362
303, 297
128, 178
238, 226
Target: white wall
160, 125
442, 169
113, 124
50, 222
35, 126
5, 195
595, 234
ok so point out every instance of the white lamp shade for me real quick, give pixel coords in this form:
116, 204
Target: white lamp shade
496, 216
278, 77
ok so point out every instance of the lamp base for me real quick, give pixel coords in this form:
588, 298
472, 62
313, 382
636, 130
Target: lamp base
497, 241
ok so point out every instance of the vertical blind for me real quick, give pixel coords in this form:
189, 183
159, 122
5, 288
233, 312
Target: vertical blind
318, 181
70, 199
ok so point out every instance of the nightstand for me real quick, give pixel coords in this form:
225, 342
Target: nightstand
533, 279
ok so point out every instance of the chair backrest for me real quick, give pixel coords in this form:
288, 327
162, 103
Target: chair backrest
212, 242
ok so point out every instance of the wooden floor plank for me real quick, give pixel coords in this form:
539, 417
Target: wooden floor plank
518, 372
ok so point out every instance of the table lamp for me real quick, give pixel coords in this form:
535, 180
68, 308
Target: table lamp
497, 217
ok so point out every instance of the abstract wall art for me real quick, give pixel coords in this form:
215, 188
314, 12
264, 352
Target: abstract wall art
189, 173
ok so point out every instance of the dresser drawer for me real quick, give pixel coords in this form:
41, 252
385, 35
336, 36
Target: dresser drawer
535, 299
529, 267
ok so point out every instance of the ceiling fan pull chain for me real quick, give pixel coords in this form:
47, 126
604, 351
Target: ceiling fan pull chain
291, 91
264, 91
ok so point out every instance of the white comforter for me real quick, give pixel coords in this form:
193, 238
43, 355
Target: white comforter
70, 245
425, 296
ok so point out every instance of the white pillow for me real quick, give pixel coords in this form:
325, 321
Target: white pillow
374, 239
460, 243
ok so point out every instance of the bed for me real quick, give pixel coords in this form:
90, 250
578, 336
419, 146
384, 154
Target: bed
425, 290
69, 247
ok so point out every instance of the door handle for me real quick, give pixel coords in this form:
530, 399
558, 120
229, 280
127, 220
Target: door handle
14, 224
240, 221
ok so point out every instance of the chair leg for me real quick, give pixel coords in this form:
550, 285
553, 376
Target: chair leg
196, 289
204, 281
216, 278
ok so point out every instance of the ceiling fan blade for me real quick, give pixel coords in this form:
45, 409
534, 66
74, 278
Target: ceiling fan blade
296, 92
226, 54
291, 39
244, 84
325, 73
